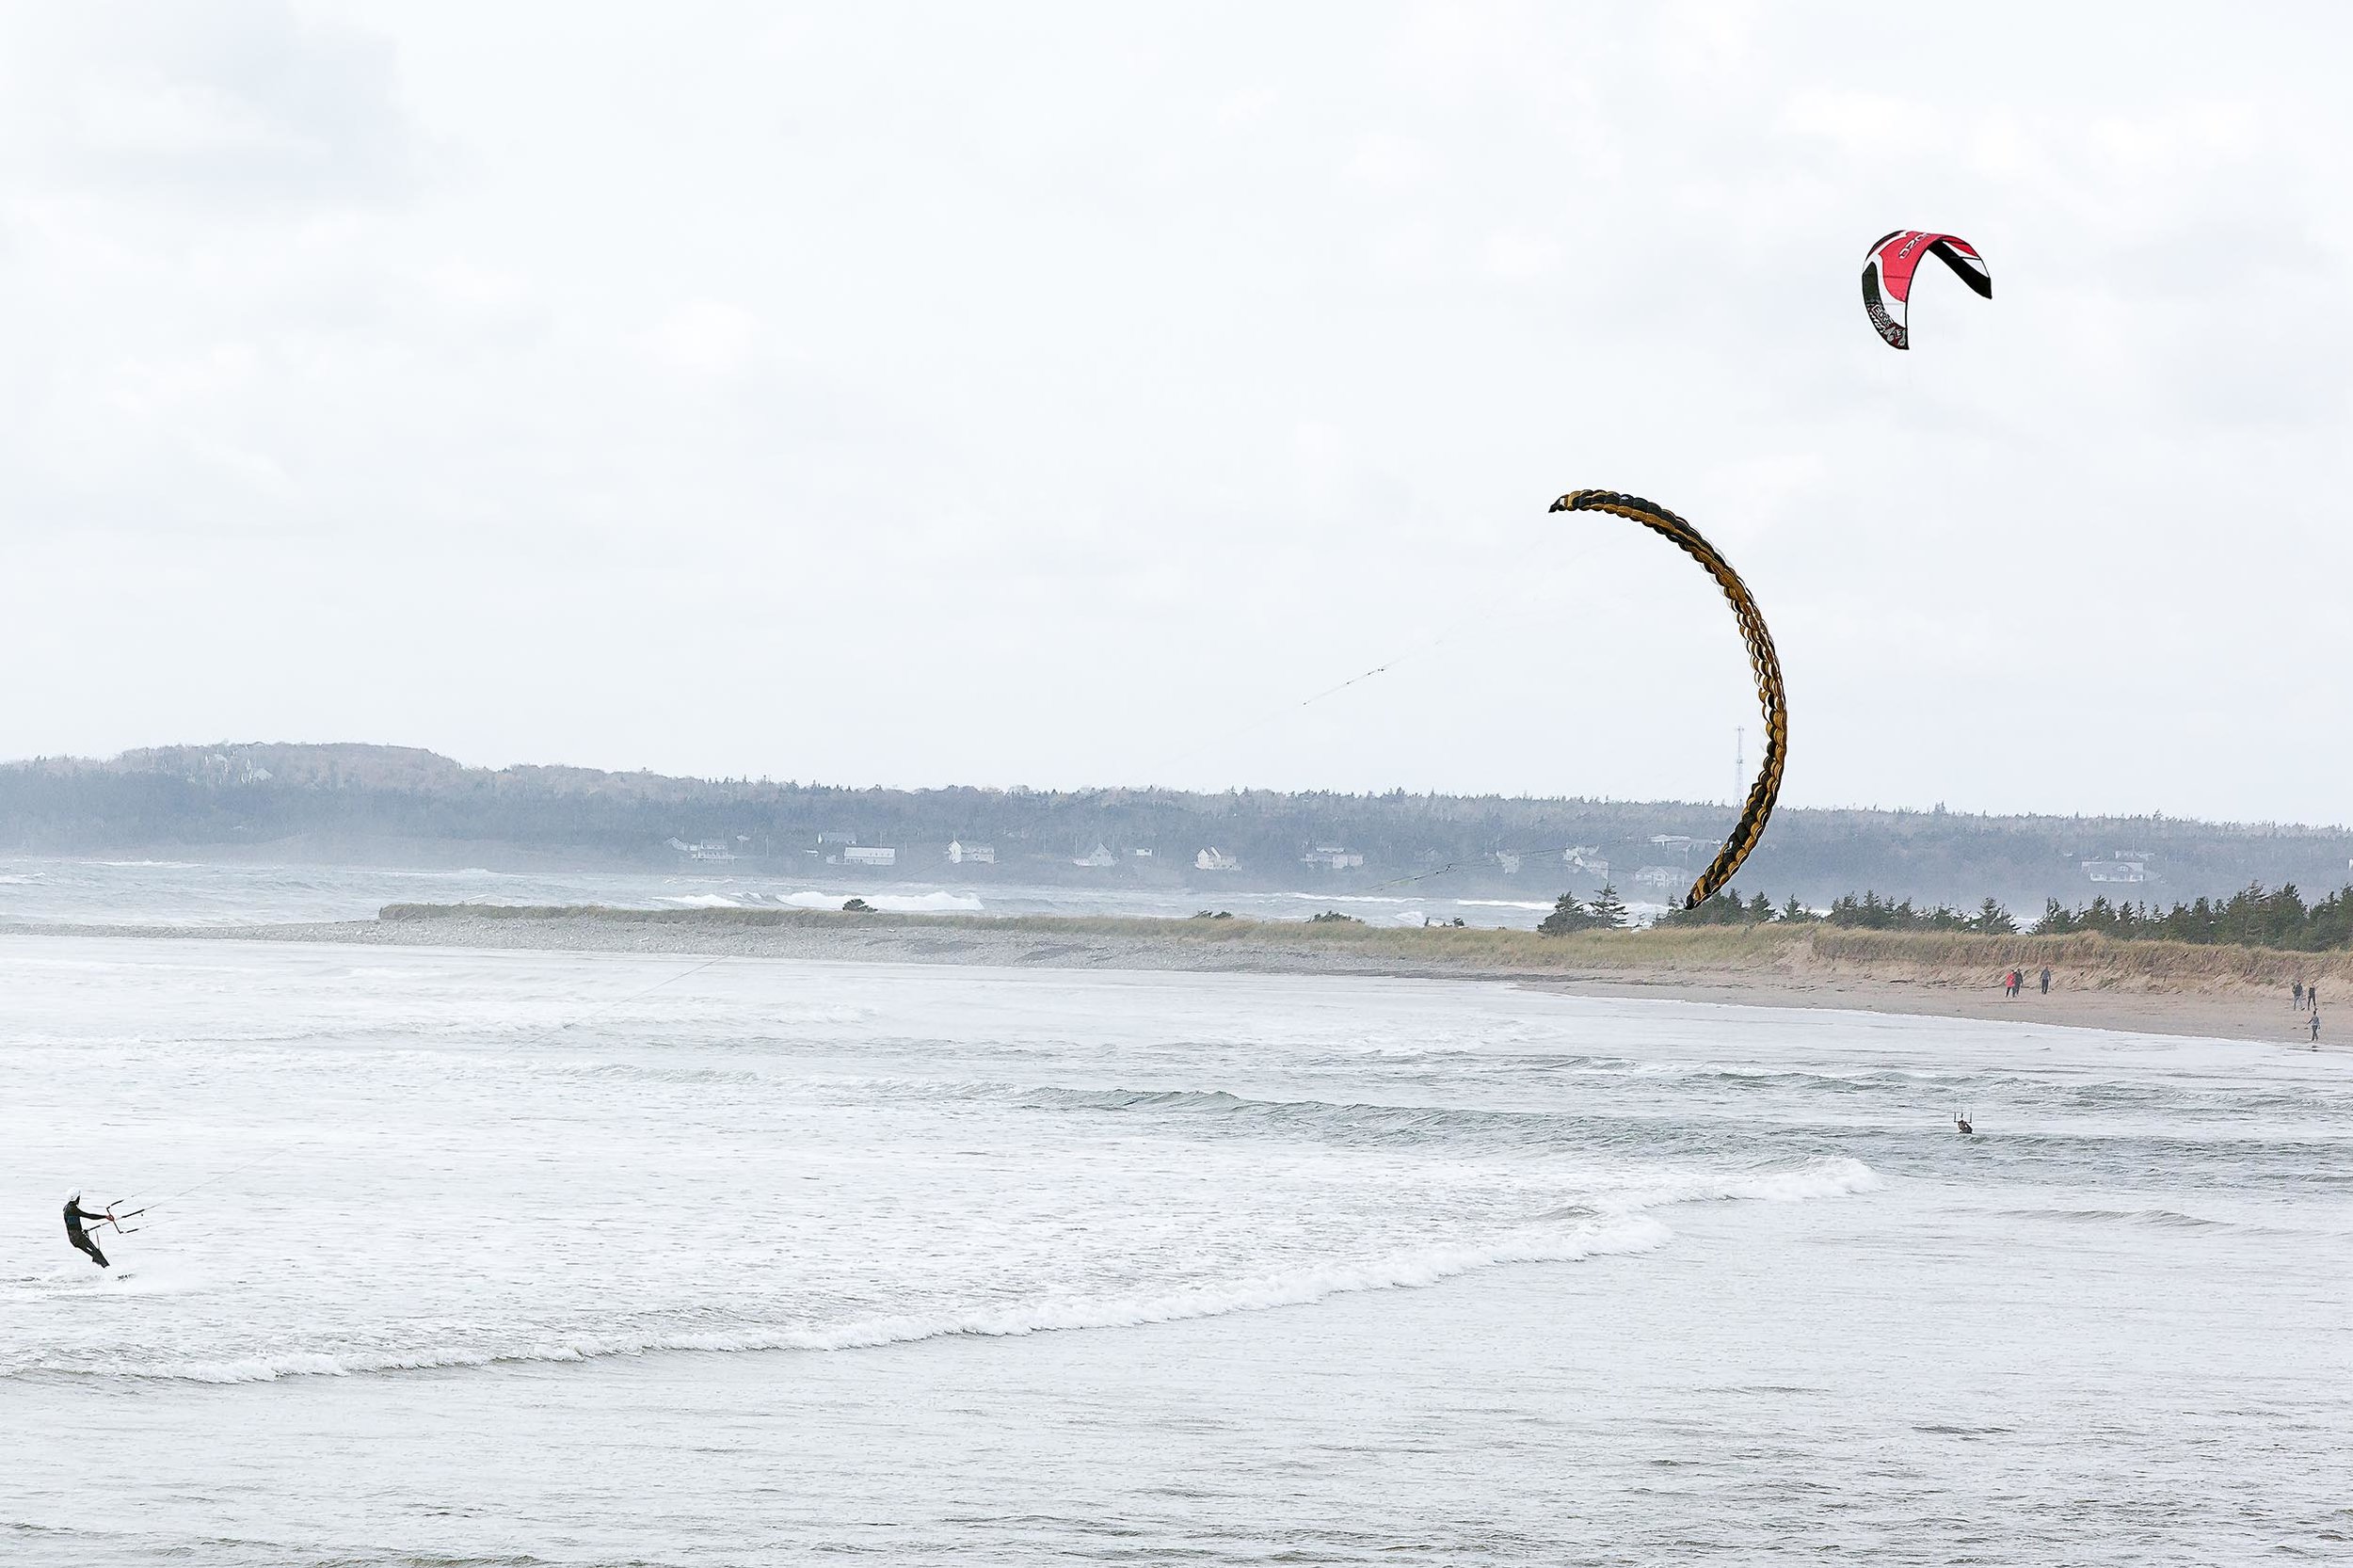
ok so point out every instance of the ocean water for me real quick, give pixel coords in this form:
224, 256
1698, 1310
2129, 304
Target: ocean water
40, 891
521, 1258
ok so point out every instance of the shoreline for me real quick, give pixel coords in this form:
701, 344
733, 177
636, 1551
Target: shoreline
2147, 987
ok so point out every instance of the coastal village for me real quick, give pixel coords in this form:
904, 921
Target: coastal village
1655, 867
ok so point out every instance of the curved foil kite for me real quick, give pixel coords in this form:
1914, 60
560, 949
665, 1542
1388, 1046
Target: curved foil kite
1762, 659
1894, 264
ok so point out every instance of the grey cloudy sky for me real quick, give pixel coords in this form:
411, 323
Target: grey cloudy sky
1060, 395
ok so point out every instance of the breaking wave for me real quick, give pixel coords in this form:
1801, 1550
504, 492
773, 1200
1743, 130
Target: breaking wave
1303, 1286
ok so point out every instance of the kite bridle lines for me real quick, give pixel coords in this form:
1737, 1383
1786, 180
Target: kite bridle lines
1763, 663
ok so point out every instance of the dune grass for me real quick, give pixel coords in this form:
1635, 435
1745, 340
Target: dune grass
1955, 958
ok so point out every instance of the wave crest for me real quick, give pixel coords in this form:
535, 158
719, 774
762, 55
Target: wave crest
1408, 1268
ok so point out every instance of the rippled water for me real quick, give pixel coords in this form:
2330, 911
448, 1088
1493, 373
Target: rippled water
535, 1257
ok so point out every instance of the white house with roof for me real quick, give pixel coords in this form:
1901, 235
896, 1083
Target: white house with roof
1214, 859
962, 854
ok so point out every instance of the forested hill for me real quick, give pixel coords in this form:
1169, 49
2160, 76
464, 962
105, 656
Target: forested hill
393, 803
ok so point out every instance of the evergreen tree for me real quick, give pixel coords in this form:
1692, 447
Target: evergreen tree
1993, 919
1609, 910
1568, 915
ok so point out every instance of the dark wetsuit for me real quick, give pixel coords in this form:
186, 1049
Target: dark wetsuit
75, 1215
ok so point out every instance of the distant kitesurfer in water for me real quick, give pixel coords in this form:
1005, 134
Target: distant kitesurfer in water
75, 1215
1961, 1120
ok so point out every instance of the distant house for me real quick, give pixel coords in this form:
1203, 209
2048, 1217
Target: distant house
962, 854
1214, 859
823, 839
2124, 867
871, 855
1332, 857
1099, 858
713, 848
1659, 876
1507, 862
238, 770
1586, 858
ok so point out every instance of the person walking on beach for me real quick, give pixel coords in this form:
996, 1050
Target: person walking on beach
2046, 979
2297, 1001
2315, 1032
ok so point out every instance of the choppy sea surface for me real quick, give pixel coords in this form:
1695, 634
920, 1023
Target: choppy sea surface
41, 891
461, 1257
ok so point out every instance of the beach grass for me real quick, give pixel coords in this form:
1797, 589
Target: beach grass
1957, 958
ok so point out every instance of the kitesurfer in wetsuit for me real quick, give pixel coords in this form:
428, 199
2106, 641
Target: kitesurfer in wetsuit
75, 1215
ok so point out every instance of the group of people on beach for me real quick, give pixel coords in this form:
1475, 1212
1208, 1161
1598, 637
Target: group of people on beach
2305, 998
2015, 981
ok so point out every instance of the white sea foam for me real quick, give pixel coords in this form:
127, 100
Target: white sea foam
939, 903
1406, 1269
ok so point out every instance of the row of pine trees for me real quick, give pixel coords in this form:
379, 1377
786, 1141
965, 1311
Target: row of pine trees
2253, 916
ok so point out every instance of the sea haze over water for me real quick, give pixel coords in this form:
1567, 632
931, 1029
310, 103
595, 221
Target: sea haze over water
551, 1259
188, 892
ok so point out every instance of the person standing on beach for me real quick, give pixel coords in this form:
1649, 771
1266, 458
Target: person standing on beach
2297, 999
2316, 1031
2046, 979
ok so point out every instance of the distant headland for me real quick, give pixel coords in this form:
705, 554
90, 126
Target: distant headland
401, 805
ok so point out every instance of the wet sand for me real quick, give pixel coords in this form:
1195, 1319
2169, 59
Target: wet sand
1785, 976
2205, 1015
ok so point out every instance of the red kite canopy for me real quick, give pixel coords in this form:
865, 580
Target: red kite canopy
1895, 261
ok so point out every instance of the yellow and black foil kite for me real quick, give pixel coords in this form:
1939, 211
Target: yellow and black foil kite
1762, 659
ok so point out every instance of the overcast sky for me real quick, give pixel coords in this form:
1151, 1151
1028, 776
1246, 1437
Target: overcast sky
1016, 394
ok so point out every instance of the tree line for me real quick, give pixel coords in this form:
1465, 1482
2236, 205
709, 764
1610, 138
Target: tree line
359, 799
2254, 915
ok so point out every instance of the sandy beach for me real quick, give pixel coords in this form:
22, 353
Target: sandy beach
2232, 994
